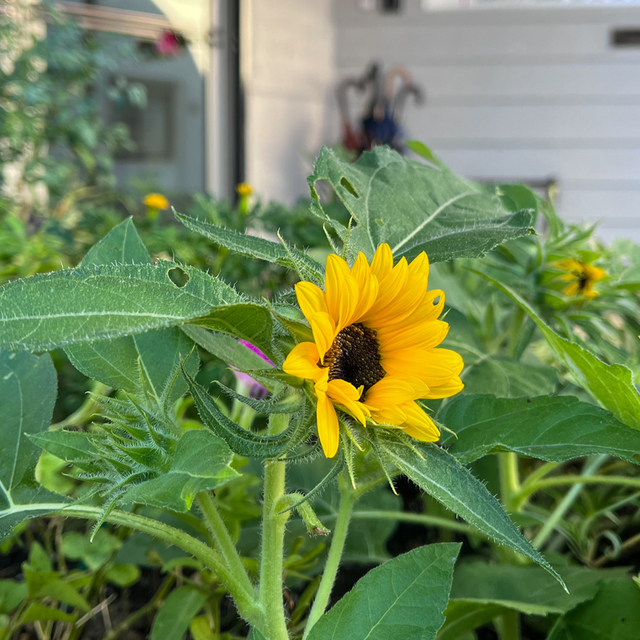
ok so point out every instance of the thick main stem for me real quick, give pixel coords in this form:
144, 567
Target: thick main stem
272, 555
347, 498
220, 534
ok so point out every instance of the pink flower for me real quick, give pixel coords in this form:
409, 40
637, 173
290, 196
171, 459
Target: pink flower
170, 44
256, 390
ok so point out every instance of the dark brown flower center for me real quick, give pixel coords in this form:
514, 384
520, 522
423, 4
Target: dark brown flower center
354, 356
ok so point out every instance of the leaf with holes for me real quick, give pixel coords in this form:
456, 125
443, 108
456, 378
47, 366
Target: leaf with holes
116, 361
414, 207
84, 304
28, 387
443, 477
553, 429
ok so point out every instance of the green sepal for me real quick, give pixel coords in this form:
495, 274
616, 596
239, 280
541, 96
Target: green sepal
282, 403
241, 441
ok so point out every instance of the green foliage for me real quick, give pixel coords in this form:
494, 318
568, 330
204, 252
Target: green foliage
27, 396
442, 476
545, 428
176, 613
611, 385
404, 599
413, 207
614, 613
92, 304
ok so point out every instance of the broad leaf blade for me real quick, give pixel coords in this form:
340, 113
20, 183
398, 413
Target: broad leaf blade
254, 247
403, 599
611, 385
28, 387
122, 245
443, 477
549, 428
415, 207
84, 304
115, 362
177, 611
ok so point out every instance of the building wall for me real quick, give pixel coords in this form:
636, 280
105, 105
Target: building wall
288, 75
522, 94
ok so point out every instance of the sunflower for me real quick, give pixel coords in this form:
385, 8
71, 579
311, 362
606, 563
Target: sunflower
375, 330
581, 278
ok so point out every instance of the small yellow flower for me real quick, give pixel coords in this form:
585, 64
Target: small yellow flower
375, 330
244, 190
581, 278
156, 201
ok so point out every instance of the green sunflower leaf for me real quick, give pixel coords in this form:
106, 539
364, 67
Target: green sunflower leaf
414, 207
613, 614
85, 304
552, 429
254, 247
116, 361
200, 463
177, 611
448, 481
403, 599
611, 385
28, 387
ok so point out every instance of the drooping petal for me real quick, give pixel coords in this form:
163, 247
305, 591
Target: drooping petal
432, 366
419, 425
324, 331
328, 427
446, 389
302, 362
348, 396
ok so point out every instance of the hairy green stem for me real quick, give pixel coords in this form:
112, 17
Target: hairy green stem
245, 601
592, 465
220, 534
347, 498
272, 554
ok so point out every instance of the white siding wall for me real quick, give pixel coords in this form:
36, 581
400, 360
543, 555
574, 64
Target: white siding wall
519, 94
289, 75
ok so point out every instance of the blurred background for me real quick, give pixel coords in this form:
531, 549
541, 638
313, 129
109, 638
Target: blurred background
219, 92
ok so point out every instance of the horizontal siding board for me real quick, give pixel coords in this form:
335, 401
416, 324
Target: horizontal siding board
580, 167
533, 84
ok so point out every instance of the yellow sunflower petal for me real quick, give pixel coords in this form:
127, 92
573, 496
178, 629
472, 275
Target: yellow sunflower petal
419, 266
341, 291
382, 262
594, 273
445, 390
328, 428
434, 367
361, 270
420, 336
310, 298
419, 425
302, 362
572, 290
324, 331
348, 396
